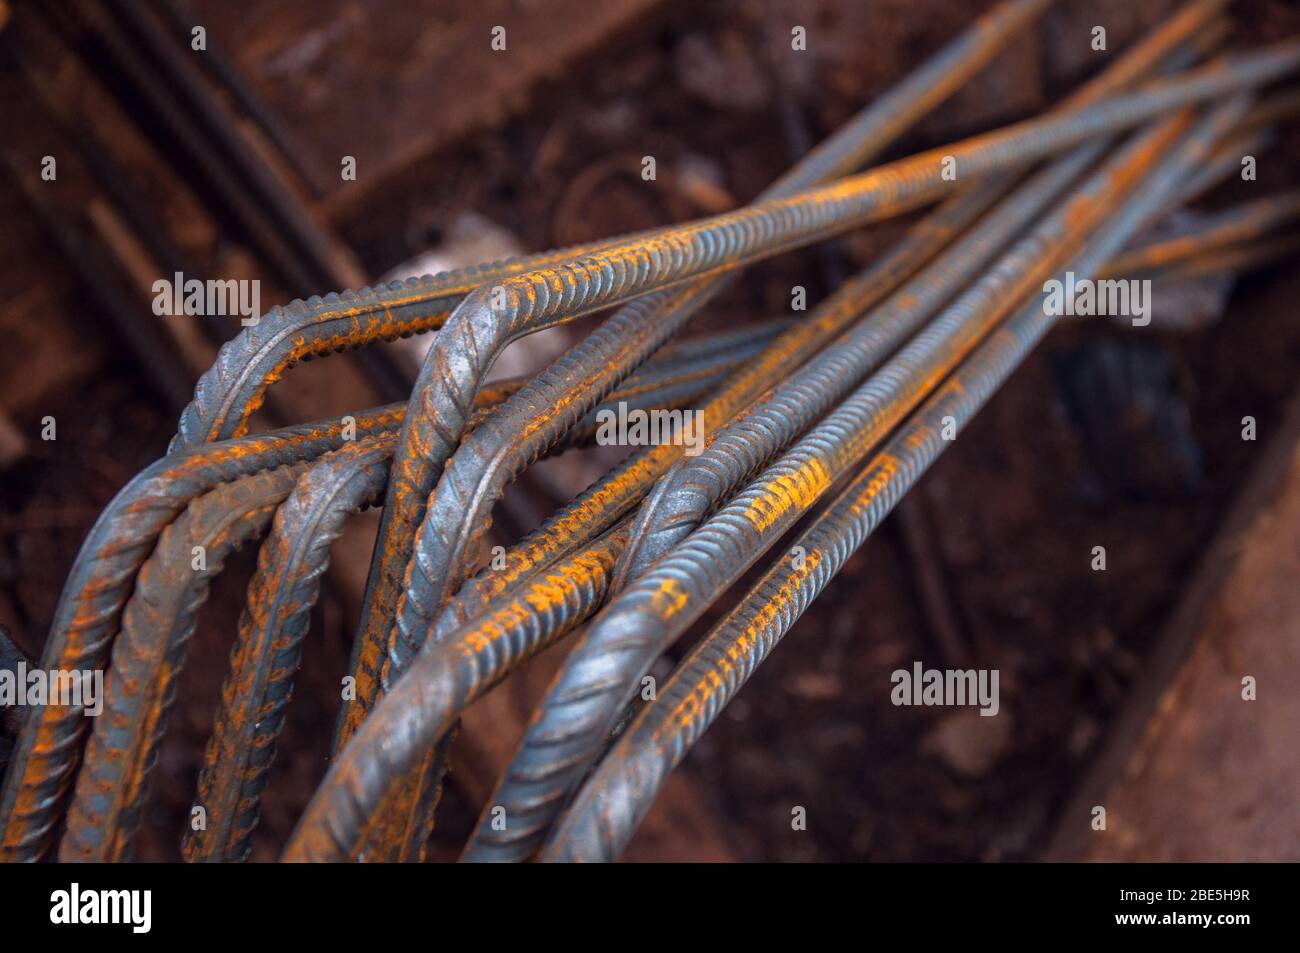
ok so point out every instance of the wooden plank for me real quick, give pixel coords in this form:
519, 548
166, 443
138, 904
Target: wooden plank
1190, 770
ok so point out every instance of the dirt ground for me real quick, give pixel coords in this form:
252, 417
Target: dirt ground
1106, 436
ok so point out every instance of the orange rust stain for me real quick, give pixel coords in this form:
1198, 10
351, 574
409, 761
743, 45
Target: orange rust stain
670, 599
742, 645
796, 492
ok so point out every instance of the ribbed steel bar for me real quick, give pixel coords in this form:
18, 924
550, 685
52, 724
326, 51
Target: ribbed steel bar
605, 813
1167, 45
176, 480
460, 355
1236, 260
408, 833
1132, 66
696, 364
251, 713
597, 508
29, 793
614, 495
268, 647
448, 675
227, 395
686, 494
444, 678
86, 618
1241, 223
490, 318
450, 363
579, 709
459, 511
682, 499
557, 587
148, 655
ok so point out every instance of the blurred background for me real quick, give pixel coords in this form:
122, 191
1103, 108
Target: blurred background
1119, 687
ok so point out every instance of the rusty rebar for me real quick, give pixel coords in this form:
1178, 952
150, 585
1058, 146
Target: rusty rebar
267, 649
461, 503
1239, 259
149, 653
598, 507
132, 524
1239, 224
376, 802
491, 317
602, 670
445, 677
459, 510
86, 618
604, 814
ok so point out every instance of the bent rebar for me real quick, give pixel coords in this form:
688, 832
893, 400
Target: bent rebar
582, 703
148, 655
267, 650
598, 507
489, 318
612, 802
444, 678
459, 511
86, 618
475, 332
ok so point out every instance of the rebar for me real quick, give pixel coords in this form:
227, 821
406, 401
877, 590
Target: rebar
174, 593
609, 499
491, 317
149, 653
269, 644
603, 816
856, 390
601, 672
458, 512
1242, 223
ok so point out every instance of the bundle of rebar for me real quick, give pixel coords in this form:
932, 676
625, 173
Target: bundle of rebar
833, 415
